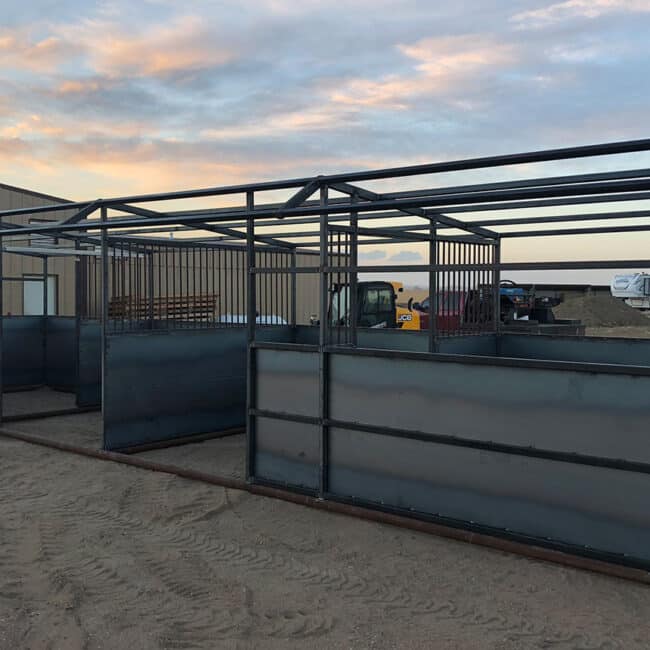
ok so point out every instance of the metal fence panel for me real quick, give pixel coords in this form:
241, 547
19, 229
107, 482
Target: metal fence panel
602, 508
287, 452
23, 359
61, 356
407, 340
170, 384
598, 414
620, 351
287, 381
89, 379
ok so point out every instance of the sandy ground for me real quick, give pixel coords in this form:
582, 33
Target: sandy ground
36, 401
99, 555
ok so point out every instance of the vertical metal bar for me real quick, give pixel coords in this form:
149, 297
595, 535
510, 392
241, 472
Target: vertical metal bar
151, 285
285, 287
131, 287
193, 294
354, 275
215, 288
45, 314
463, 284
294, 289
433, 287
77, 317
443, 287
186, 300
456, 285
174, 303
473, 286
201, 300
231, 278
485, 276
2, 317
236, 254
496, 278
104, 316
251, 309
159, 292
139, 274
323, 371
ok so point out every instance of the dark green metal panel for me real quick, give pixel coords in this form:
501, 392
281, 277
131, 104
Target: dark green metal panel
287, 452
567, 503
165, 385
89, 380
161, 385
604, 415
23, 339
61, 355
287, 382
620, 351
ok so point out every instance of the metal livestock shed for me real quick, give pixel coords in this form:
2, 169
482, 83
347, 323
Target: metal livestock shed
471, 444
174, 305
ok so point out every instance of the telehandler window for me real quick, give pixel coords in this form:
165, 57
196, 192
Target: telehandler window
378, 307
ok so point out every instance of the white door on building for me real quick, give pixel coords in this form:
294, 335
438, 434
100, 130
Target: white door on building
33, 295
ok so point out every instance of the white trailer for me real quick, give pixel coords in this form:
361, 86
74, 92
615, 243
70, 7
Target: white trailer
633, 289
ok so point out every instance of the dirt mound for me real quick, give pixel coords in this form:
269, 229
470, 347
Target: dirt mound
600, 310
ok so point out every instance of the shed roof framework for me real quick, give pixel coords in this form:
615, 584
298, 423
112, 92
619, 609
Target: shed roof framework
319, 206
446, 207
316, 204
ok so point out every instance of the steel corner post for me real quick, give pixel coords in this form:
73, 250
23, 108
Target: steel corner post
251, 319
433, 288
496, 282
104, 311
2, 311
323, 339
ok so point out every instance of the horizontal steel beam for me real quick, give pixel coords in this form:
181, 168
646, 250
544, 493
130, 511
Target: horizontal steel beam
504, 266
394, 172
378, 232
630, 188
531, 182
222, 230
451, 222
575, 231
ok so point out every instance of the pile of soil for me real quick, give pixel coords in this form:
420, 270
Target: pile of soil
600, 310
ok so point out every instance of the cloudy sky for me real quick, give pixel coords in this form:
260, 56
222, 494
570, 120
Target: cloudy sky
113, 97
102, 98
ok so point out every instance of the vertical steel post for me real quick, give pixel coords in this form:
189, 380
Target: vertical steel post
354, 275
104, 313
251, 315
294, 292
77, 315
45, 283
151, 284
323, 366
496, 279
2, 317
45, 314
433, 288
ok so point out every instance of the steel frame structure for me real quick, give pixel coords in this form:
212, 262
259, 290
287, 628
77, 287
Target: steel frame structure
337, 203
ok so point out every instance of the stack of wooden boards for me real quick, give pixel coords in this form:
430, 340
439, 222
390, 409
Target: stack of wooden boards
201, 307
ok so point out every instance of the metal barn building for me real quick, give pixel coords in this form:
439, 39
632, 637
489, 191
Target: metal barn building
23, 274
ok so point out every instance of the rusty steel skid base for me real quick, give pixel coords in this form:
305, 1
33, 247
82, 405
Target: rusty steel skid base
529, 550
178, 442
